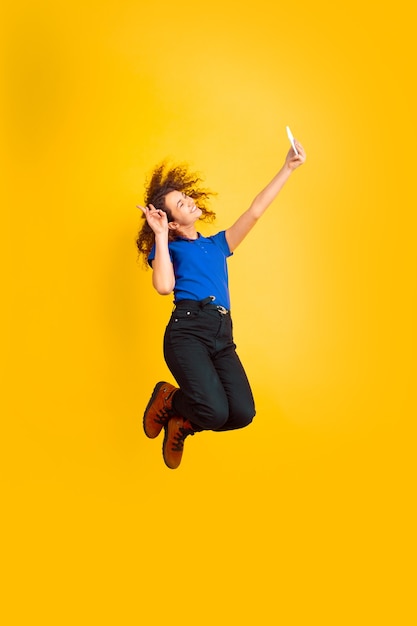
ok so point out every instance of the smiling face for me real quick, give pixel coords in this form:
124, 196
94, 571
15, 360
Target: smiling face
183, 211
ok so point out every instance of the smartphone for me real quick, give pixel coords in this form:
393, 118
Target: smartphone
291, 138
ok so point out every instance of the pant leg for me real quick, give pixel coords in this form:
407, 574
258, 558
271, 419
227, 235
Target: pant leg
236, 385
199, 351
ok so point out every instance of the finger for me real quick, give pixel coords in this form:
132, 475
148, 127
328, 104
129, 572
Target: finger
138, 206
159, 213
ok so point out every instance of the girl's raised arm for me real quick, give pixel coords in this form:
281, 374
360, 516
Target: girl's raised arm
238, 231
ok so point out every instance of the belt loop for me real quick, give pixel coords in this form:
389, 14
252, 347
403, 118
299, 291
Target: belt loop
207, 301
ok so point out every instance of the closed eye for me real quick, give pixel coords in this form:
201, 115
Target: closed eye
180, 202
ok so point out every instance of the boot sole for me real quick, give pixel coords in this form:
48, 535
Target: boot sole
163, 450
153, 396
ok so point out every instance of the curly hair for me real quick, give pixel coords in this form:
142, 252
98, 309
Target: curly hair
166, 178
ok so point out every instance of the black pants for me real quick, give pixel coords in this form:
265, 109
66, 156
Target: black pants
214, 392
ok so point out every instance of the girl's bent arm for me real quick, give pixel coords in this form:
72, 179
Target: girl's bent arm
163, 278
238, 231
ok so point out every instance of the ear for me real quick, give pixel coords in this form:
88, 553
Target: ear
173, 225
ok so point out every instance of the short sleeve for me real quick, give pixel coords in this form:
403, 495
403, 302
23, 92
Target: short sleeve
221, 241
152, 255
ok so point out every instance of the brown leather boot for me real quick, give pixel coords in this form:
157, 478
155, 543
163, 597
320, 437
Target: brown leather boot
176, 431
159, 409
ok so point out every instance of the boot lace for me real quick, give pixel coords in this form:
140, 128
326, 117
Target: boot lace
178, 444
163, 416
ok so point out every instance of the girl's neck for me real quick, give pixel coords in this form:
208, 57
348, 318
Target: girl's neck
188, 232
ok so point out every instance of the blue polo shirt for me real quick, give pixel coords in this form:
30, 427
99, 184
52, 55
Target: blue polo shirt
200, 268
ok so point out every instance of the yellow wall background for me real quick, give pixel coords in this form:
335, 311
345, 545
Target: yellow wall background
306, 517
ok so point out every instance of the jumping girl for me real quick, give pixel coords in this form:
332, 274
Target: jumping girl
213, 391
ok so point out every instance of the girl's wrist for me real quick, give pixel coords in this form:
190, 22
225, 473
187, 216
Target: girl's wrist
286, 169
163, 236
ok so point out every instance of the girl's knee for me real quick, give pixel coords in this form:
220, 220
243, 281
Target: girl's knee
217, 416
240, 419
212, 417
248, 418
245, 417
